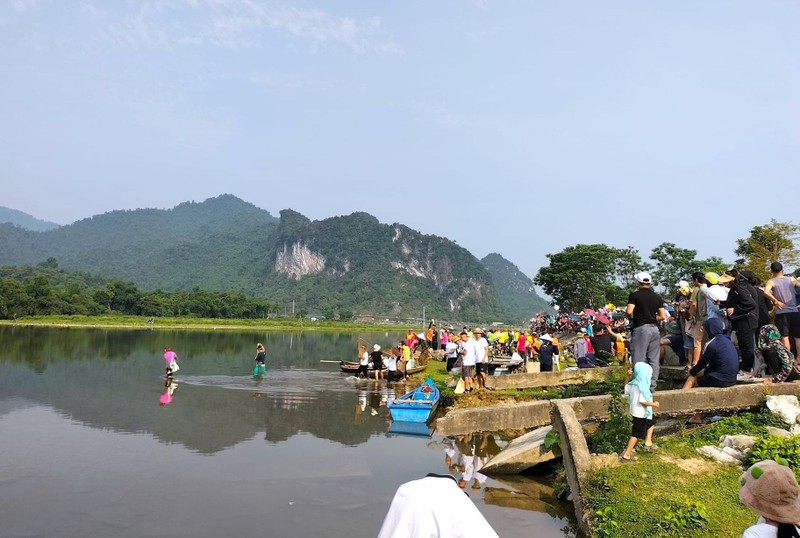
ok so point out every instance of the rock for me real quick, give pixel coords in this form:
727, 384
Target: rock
785, 406
737, 442
795, 429
717, 455
778, 431
732, 452
663, 427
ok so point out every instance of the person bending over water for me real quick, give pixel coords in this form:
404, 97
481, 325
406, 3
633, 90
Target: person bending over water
261, 361
171, 358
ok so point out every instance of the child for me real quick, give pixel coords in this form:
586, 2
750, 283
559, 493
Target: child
770, 490
641, 406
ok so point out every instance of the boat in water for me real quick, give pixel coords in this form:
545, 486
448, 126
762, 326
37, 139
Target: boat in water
348, 367
417, 405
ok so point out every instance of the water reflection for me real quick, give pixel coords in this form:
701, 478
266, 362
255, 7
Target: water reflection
303, 421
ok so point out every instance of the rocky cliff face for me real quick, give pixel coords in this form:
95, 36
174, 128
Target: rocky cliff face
403, 269
299, 261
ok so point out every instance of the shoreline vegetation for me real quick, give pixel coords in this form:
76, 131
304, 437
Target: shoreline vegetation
191, 323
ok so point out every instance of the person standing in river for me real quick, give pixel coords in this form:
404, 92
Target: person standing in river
645, 309
171, 358
261, 360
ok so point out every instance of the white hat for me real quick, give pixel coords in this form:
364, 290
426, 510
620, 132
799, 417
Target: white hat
376, 347
546, 336
643, 277
682, 284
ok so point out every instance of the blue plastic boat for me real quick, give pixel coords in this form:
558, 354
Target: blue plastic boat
417, 405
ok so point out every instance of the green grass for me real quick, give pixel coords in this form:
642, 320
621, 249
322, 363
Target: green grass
637, 497
122, 321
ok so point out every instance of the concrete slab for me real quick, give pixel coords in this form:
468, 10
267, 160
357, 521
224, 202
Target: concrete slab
576, 458
549, 379
528, 415
522, 453
523, 416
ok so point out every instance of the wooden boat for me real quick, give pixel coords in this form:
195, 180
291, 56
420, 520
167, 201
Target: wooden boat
417, 405
352, 368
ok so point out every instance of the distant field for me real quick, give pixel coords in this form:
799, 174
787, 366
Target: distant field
139, 322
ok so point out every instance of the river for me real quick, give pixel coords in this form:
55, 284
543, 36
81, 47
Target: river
94, 444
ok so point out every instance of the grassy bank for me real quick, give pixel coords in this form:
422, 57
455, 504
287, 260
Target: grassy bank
139, 322
675, 492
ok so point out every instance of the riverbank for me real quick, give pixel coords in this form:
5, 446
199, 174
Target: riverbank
675, 491
140, 322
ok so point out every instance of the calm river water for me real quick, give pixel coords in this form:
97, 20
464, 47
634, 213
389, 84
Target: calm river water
88, 449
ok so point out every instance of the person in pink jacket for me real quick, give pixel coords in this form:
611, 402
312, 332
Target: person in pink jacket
170, 357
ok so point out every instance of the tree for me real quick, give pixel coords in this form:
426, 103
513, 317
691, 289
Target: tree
629, 262
672, 264
769, 243
580, 276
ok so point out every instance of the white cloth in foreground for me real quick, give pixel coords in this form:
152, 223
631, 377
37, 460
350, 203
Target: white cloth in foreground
434, 507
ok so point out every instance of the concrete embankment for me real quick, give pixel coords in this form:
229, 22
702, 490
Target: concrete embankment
534, 414
550, 379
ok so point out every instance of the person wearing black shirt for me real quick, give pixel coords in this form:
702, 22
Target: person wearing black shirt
645, 308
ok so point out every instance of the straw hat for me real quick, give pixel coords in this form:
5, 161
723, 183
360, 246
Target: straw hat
771, 491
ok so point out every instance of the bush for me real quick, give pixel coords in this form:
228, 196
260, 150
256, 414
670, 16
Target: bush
614, 433
686, 517
772, 447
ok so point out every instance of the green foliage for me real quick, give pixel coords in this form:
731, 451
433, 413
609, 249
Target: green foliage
552, 438
684, 517
606, 526
754, 424
583, 275
227, 245
672, 263
615, 432
514, 289
773, 447
766, 244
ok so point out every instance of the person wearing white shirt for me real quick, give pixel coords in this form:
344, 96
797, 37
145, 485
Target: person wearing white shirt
481, 356
468, 359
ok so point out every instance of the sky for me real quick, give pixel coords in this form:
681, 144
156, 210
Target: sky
518, 127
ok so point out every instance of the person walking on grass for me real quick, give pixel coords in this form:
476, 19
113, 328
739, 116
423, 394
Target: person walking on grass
646, 308
640, 399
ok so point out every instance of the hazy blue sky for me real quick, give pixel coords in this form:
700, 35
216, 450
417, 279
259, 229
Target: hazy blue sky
518, 127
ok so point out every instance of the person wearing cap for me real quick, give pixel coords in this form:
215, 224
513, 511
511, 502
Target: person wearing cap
468, 354
742, 312
780, 289
363, 364
645, 309
481, 356
683, 306
376, 357
715, 294
770, 489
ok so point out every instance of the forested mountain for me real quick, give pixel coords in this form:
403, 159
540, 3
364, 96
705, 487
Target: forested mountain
514, 288
23, 220
335, 267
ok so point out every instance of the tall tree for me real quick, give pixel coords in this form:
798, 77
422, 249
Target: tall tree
769, 243
580, 276
629, 262
672, 264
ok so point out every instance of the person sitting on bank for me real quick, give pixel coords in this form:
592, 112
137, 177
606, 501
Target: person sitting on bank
673, 352
719, 362
778, 358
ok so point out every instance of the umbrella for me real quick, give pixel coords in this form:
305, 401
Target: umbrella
588, 311
602, 318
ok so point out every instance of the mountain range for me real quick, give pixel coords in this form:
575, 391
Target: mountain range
340, 265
